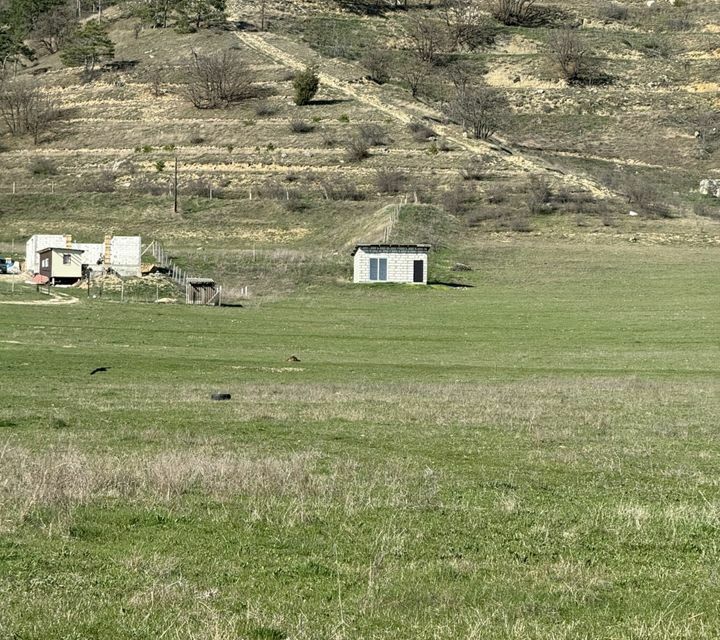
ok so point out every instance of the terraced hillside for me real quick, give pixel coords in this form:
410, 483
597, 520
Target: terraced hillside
569, 157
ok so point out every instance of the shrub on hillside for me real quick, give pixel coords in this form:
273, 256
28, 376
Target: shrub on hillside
390, 180
420, 131
456, 199
643, 195
43, 167
104, 182
305, 85
377, 62
218, 80
373, 134
473, 170
514, 12
568, 51
265, 108
613, 11
538, 195
328, 138
356, 149
300, 126
481, 110
341, 188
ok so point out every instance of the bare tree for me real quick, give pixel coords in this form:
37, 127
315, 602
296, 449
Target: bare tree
262, 5
377, 62
54, 26
479, 109
218, 80
512, 12
569, 53
427, 40
467, 26
414, 73
24, 109
156, 78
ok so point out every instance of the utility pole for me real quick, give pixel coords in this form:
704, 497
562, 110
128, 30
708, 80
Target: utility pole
175, 189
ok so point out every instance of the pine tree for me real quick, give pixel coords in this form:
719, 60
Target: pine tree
87, 46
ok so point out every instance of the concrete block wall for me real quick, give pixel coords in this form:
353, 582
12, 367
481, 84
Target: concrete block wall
93, 253
124, 252
399, 263
38, 243
125, 255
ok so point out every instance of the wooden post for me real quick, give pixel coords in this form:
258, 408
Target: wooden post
13, 188
122, 291
175, 189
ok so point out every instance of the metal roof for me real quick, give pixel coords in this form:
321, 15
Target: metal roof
421, 247
68, 249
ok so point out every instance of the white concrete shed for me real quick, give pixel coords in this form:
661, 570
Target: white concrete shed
391, 263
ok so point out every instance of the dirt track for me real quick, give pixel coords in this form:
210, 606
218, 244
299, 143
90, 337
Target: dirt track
379, 98
53, 299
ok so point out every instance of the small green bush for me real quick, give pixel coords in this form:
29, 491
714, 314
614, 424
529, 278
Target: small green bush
43, 167
306, 84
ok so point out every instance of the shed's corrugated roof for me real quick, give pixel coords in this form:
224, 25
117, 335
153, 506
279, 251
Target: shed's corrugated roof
421, 247
200, 281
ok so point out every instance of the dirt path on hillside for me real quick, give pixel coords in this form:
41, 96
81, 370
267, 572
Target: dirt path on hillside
375, 96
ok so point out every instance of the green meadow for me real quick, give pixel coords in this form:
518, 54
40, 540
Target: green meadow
533, 455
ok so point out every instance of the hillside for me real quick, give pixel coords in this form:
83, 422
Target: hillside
569, 160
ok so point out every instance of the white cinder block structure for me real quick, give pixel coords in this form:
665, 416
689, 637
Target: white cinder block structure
391, 263
38, 243
125, 255
120, 254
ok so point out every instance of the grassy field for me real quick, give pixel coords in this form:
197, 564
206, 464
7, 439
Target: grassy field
533, 456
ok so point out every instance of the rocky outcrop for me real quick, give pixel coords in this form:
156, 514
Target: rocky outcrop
710, 187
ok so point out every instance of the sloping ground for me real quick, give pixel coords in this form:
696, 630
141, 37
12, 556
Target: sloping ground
297, 194
341, 77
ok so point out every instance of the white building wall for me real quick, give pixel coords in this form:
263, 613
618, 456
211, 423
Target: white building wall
125, 255
399, 263
124, 252
38, 243
92, 253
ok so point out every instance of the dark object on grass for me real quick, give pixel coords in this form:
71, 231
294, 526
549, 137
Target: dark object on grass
220, 396
98, 370
293, 359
